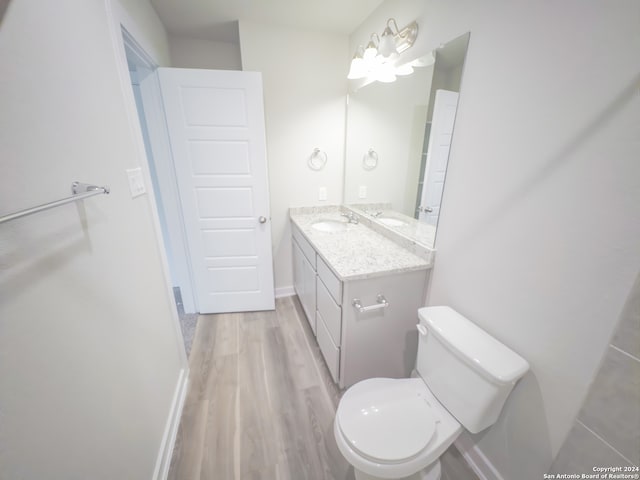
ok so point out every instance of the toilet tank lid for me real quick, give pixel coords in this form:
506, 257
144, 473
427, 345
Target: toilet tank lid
476, 347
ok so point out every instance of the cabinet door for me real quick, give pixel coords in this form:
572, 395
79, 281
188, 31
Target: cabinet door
330, 312
298, 278
330, 351
308, 298
384, 342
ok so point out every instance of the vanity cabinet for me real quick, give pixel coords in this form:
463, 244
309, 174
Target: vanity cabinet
359, 345
304, 267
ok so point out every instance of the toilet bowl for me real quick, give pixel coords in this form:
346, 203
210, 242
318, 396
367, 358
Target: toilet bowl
393, 428
398, 428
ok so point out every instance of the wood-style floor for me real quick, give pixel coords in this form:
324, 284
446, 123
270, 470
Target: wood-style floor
261, 403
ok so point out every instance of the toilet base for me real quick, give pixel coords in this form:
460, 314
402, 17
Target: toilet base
431, 472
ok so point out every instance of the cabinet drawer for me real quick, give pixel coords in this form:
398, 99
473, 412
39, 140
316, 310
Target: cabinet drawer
330, 312
330, 352
333, 283
304, 245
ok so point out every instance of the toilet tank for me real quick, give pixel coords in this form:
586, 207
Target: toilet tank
470, 372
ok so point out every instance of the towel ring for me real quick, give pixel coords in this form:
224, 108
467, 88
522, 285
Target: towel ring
370, 160
317, 159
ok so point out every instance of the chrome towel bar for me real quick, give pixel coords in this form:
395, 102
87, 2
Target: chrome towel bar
382, 303
80, 191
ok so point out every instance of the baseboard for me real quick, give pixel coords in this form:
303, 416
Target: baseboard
285, 291
478, 462
163, 460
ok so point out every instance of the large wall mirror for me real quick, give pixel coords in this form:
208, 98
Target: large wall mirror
397, 143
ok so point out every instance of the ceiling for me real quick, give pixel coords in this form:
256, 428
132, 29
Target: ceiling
216, 19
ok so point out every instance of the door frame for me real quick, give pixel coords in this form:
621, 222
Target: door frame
119, 22
127, 35
165, 185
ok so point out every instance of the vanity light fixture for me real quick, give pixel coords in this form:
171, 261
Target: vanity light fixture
371, 51
404, 38
378, 59
405, 69
384, 72
387, 46
358, 67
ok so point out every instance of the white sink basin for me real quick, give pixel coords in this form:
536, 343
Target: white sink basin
330, 226
391, 222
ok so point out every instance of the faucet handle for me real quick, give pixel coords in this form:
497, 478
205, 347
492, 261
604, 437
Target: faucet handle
353, 218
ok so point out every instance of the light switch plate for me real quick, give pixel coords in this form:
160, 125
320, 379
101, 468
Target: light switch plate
322, 193
362, 191
136, 182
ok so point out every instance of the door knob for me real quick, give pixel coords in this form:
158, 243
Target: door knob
425, 209
262, 219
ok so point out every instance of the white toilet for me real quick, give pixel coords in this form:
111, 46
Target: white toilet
398, 428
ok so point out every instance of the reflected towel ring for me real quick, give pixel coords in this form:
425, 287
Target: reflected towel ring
317, 159
370, 160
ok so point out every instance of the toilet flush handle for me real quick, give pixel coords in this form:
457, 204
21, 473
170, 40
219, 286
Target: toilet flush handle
422, 329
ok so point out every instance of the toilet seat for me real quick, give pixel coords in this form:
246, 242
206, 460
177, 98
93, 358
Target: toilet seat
386, 420
418, 409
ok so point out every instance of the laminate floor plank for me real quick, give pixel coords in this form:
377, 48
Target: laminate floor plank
321, 414
299, 358
256, 449
226, 333
221, 425
293, 305
189, 450
261, 403
201, 360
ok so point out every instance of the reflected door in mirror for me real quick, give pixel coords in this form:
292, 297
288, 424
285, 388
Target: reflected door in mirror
444, 114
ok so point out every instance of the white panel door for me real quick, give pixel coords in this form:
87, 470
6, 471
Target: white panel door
215, 121
444, 115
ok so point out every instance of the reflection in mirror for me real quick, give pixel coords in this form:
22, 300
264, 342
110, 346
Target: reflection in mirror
409, 124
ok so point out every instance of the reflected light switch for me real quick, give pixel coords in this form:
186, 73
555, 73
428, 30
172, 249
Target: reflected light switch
362, 191
322, 193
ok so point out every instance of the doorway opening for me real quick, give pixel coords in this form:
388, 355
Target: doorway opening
142, 73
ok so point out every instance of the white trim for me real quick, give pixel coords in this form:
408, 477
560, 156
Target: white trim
478, 462
162, 159
119, 20
287, 291
163, 460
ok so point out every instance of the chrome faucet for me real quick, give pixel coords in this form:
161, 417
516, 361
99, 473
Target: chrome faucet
352, 217
376, 214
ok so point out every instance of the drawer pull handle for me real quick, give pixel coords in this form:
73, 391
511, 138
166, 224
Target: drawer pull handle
382, 303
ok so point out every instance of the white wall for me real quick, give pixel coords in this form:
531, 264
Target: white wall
304, 75
189, 52
90, 354
538, 234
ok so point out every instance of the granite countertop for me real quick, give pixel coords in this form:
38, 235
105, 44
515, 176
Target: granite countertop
357, 252
412, 229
